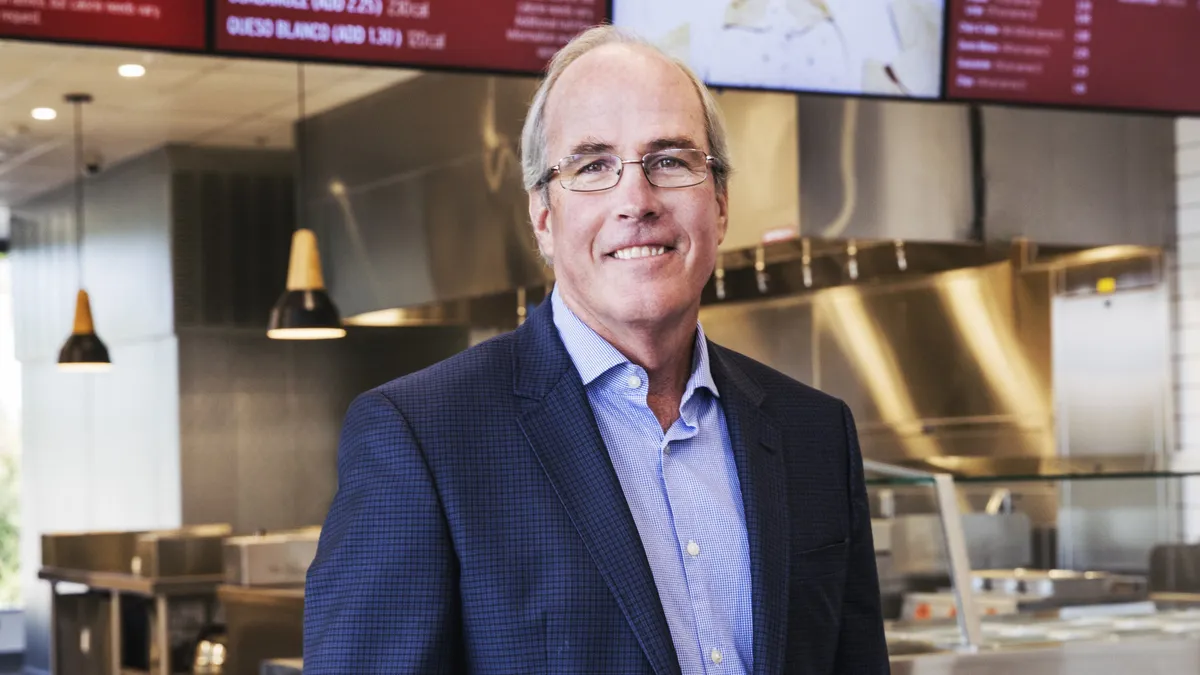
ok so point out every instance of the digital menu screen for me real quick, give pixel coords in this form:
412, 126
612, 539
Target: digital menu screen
506, 35
885, 47
1137, 54
173, 24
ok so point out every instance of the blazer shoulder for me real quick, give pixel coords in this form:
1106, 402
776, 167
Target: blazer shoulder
484, 370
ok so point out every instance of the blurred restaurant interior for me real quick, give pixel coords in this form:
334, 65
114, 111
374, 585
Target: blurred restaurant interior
992, 256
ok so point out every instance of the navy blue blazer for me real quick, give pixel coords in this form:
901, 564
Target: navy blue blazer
479, 527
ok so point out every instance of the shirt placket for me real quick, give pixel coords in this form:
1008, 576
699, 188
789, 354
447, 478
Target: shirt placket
691, 543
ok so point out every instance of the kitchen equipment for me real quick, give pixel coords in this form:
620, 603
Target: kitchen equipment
1061, 585
91, 551
187, 551
261, 623
274, 559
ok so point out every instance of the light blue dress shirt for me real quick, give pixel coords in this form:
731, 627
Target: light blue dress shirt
683, 490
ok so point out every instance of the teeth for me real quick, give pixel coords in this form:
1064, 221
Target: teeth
635, 252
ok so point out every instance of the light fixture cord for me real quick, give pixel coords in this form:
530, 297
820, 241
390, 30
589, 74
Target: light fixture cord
300, 144
79, 190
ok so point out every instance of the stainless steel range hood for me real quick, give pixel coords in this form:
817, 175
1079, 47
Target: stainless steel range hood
416, 191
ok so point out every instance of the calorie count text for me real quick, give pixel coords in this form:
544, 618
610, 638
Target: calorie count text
406, 9
1083, 35
129, 8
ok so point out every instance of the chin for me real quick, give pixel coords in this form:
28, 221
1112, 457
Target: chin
648, 305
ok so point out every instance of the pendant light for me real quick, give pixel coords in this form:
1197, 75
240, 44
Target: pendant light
304, 311
83, 352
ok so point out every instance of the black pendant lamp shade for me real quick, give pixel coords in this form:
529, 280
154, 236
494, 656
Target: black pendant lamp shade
304, 311
83, 351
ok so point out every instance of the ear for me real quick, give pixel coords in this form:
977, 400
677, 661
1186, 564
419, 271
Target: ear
539, 215
722, 215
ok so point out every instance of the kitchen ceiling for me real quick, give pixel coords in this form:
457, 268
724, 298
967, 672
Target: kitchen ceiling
203, 100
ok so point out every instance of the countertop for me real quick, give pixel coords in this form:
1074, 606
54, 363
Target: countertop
282, 667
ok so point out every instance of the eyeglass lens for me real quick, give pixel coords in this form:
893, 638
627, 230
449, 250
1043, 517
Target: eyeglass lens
672, 168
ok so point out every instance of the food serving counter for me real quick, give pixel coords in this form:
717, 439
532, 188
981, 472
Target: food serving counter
1135, 610
1168, 656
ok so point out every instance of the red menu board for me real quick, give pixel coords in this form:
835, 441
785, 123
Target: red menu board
510, 35
1136, 54
173, 24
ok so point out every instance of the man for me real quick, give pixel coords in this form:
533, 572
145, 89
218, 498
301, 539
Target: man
603, 491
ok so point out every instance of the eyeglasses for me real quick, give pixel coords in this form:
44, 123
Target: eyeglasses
672, 168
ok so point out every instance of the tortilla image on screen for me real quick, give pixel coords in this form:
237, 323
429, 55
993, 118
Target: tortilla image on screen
916, 70
752, 14
841, 46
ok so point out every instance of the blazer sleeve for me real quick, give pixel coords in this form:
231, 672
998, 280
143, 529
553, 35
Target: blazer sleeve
862, 648
381, 594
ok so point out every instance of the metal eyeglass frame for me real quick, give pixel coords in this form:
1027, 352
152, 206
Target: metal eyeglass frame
711, 164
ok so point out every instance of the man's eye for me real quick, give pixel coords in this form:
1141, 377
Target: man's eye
594, 167
667, 162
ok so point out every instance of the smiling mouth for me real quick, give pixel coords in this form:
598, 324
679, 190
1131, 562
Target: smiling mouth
638, 252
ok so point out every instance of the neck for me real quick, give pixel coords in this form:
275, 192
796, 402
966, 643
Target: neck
663, 348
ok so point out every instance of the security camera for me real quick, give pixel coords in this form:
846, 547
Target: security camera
93, 163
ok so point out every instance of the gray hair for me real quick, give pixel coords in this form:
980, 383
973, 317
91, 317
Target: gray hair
534, 162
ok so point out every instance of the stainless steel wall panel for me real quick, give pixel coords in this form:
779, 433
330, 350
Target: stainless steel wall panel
764, 192
416, 192
909, 174
1083, 178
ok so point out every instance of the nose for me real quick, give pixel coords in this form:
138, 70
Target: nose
638, 199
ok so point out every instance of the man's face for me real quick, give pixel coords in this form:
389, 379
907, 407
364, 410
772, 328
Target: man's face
628, 101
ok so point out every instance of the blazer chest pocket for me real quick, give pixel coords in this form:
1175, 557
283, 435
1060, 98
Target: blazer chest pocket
824, 561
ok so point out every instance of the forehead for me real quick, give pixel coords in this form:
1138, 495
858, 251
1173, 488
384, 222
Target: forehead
625, 96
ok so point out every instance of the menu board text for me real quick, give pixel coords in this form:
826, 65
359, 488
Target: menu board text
504, 35
173, 24
1138, 54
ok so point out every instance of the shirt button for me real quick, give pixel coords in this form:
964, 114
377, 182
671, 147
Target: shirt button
693, 550
634, 382
716, 655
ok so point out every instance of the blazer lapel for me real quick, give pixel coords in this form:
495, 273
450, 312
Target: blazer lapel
559, 423
758, 451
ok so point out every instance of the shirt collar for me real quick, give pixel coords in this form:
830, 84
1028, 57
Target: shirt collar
593, 355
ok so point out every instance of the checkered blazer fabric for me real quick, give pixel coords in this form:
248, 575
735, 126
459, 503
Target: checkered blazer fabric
479, 527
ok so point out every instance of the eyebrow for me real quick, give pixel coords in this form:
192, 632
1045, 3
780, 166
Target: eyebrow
590, 146
672, 142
